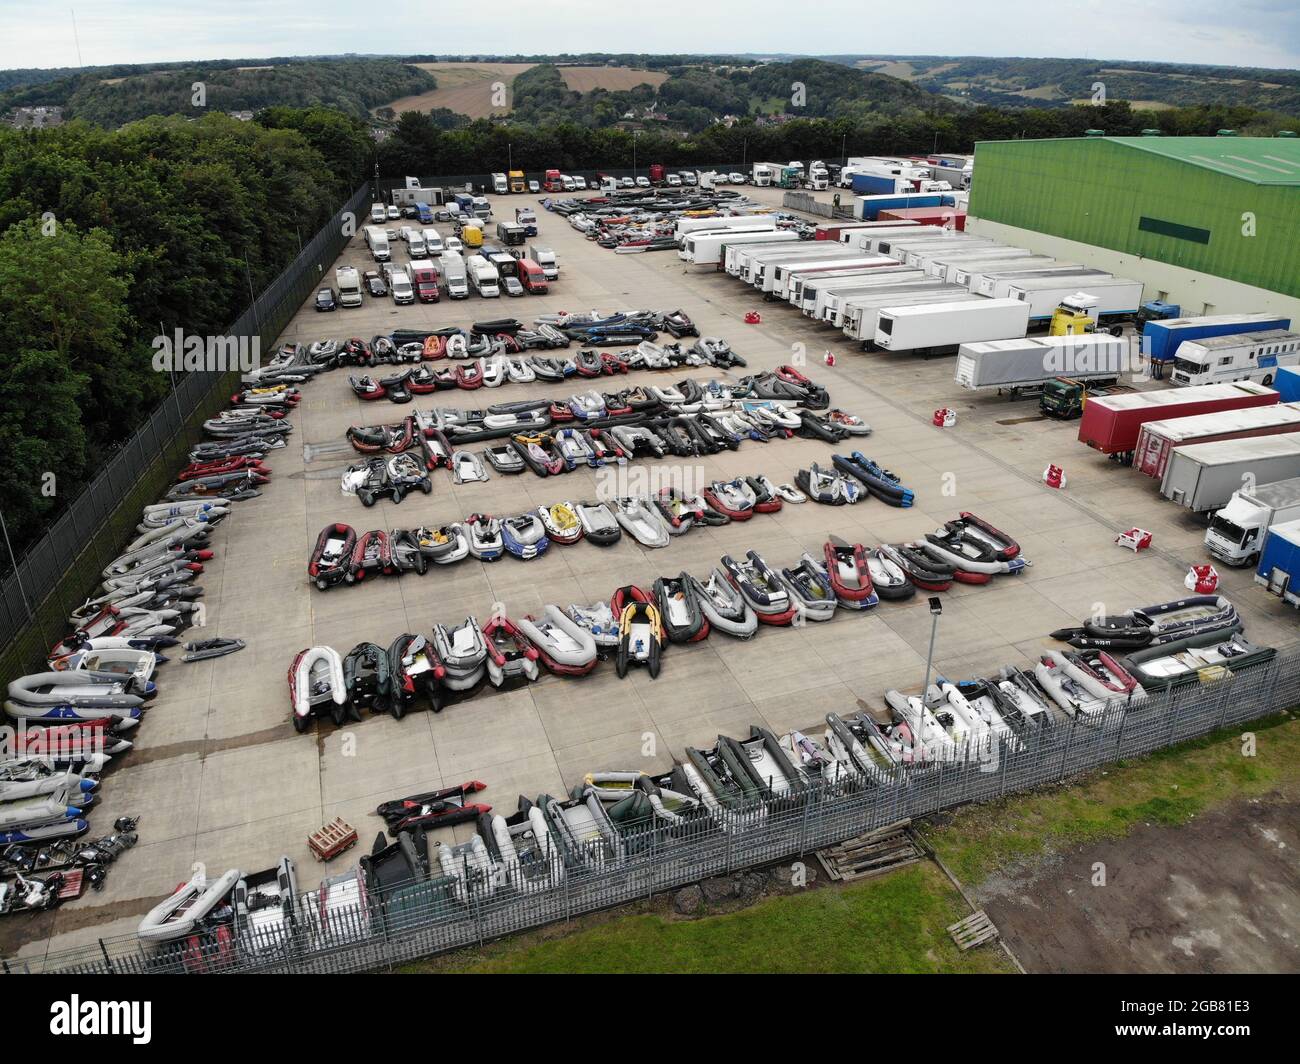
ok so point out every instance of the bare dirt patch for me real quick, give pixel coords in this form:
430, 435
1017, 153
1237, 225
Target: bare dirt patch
1217, 894
465, 88
614, 79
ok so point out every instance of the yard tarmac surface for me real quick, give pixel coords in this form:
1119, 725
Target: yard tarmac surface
219, 777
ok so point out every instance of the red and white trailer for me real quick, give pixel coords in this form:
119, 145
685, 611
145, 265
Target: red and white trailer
1111, 423
1158, 438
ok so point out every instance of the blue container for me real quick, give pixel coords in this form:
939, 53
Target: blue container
1160, 339
1279, 562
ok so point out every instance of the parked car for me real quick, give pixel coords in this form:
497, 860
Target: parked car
453, 243
442, 215
327, 299
674, 180
375, 284
394, 214
410, 212
735, 178
643, 182
626, 182
534, 186
511, 286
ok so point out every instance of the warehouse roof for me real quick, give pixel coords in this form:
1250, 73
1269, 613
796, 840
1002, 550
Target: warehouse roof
1259, 160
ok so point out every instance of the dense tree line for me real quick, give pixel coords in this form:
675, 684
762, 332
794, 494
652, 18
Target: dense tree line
109, 238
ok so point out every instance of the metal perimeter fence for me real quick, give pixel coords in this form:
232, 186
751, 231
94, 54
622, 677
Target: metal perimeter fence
470, 901
53, 575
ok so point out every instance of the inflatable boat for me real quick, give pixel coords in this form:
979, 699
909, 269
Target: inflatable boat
463, 653
760, 756
1113, 677
923, 738
641, 521
372, 554
849, 569
826, 487
523, 848
1161, 623
582, 829
485, 540
718, 780
137, 665
266, 908
1199, 658
810, 589
524, 535
442, 546
816, 764
1024, 692
927, 573
677, 512
368, 678
761, 588
406, 553
598, 621
190, 908
316, 685
430, 809
36, 779
731, 498
79, 698
565, 647
974, 548
466, 468
977, 707
723, 606
888, 578
539, 453
416, 673
509, 652
599, 524
679, 609
37, 810
640, 630
504, 459
561, 522
860, 745
1075, 691
880, 482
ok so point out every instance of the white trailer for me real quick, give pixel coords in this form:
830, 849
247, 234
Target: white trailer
807, 289
777, 274
799, 276
1241, 357
1117, 297
732, 221
966, 273
738, 259
945, 243
758, 270
870, 234
997, 287
1029, 363
860, 316
1204, 476
831, 303
942, 265
704, 248
932, 329
924, 253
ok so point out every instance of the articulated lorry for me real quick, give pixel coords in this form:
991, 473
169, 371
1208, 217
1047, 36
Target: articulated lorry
1238, 531
1203, 476
1111, 424
1161, 339
1029, 363
1279, 563
1253, 356
933, 330
1158, 439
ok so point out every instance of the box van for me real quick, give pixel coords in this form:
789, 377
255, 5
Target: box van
378, 214
425, 277
453, 275
377, 242
500, 185
506, 265
432, 242
532, 277
528, 219
349, 285
545, 258
400, 285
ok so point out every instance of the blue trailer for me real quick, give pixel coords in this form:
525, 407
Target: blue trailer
881, 185
1279, 563
1288, 384
1160, 339
869, 207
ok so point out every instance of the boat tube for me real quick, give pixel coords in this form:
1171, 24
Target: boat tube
509, 652
679, 609
316, 684
76, 698
189, 909
564, 646
849, 570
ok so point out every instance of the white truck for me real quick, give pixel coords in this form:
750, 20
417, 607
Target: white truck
1019, 364
483, 277
1117, 297
704, 247
377, 242
764, 174
942, 328
1241, 357
545, 258
1237, 531
500, 185
349, 285
1203, 476
453, 275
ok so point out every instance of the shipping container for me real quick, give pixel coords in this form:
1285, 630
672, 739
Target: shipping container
1028, 362
948, 217
1279, 563
1111, 423
1160, 339
1203, 476
1157, 439
1238, 530
944, 328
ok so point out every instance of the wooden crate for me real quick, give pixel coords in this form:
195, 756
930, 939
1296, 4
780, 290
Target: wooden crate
331, 840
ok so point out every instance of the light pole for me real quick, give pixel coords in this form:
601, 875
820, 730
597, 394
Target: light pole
844, 149
936, 608
635, 134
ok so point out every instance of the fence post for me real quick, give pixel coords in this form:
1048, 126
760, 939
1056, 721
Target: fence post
1065, 753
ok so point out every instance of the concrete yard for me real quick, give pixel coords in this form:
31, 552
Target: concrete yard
220, 777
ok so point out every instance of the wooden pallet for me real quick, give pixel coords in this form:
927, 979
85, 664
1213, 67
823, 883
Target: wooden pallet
331, 840
870, 854
973, 931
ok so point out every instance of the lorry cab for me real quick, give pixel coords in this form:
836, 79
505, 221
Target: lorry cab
424, 276
517, 183
532, 277
553, 181
527, 217
1243, 357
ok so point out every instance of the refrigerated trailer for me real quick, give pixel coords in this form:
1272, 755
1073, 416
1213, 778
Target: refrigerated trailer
1021, 364
986, 281
738, 259
808, 291
871, 239
941, 265
1111, 423
797, 279
838, 230
1157, 439
831, 304
777, 277
762, 266
1203, 476
1059, 276
942, 242
939, 329
860, 316
705, 247
723, 221
965, 273
920, 254
1118, 298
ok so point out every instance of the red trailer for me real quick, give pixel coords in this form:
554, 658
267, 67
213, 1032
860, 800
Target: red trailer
1111, 423
949, 217
833, 230
656, 173
1158, 439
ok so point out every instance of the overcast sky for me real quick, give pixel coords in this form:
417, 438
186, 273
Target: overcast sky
1242, 33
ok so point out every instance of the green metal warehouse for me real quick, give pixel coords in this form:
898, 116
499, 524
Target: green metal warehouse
1211, 223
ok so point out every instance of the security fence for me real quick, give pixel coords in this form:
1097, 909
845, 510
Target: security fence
469, 899
54, 574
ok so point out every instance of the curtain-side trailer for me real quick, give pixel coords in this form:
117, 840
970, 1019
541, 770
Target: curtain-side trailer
944, 328
1028, 363
1111, 423
1203, 476
1158, 439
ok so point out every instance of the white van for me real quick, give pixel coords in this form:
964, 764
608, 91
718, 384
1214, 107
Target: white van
453, 275
377, 242
400, 285
378, 215
415, 246
432, 242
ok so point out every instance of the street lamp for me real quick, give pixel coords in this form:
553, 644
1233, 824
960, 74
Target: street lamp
936, 608
635, 134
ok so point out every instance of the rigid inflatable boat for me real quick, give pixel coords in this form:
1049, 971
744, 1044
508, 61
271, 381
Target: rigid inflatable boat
761, 587
1074, 690
861, 747
463, 653
974, 548
760, 756
583, 831
723, 606
880, 482
440, 808
640, 630
810, 589
523, 848
598, 621
826, 487
849, 570
599, 524
679, 609
564, 646
368, 678
731, 498
76, 698
888, 578
416, 673
316, 685
484, 533
266, 908
920, 736
524, 535
641, 521
1195, 659
189, 909
509, 652
1161, 623
561, 522
815, 763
